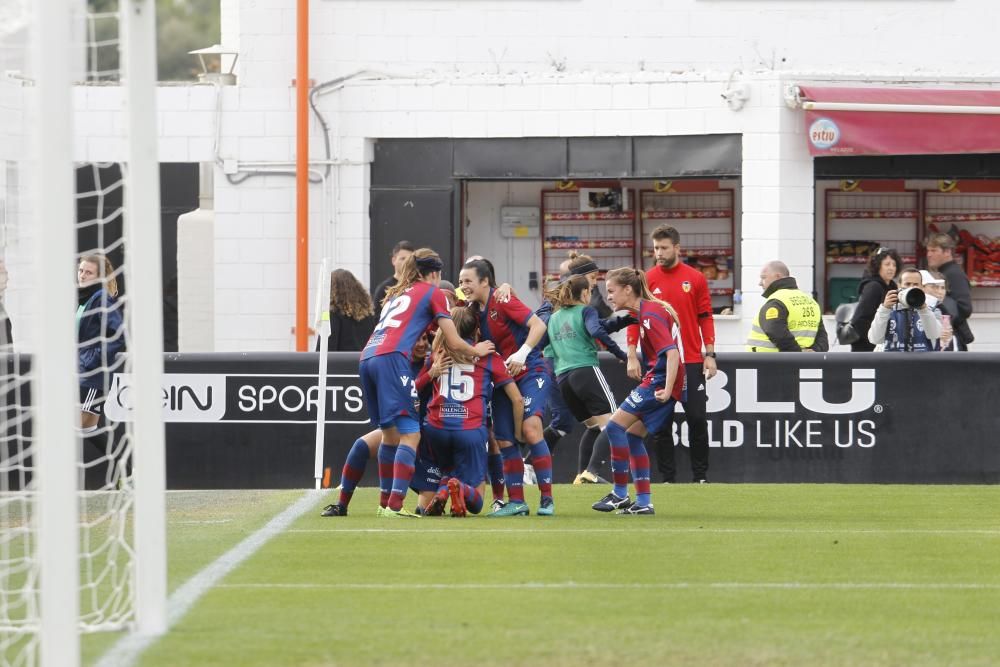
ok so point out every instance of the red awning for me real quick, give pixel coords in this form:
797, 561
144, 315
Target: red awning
900, 121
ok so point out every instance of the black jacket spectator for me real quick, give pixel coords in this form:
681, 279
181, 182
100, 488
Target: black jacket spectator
871, 294
958, 302
352, 317
348, 334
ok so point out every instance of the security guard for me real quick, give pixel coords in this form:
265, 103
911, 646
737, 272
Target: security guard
790, 320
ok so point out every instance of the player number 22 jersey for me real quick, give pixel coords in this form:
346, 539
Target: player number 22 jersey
404, 318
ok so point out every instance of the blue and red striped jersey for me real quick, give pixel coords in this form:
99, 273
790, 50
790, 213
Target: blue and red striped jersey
404, 318
658, 333
462, 393
506, 325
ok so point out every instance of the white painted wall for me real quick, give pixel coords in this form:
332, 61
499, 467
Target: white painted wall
511, 68
512, 258
893, 37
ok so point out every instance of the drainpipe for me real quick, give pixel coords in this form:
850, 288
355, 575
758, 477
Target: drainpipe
302, 178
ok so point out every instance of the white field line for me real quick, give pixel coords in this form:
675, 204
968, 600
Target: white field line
126, 651
681, 585
535, 529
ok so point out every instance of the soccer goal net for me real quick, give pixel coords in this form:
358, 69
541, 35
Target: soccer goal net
81, 495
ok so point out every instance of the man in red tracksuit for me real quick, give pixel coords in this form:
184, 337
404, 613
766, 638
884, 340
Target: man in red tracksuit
686, 289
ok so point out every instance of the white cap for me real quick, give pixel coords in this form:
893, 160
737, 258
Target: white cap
928, 279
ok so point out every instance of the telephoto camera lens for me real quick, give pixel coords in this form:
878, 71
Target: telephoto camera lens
911, 297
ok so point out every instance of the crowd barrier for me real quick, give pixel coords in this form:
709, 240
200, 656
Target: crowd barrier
248, 420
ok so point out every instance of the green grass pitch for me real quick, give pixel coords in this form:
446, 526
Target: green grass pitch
722, 575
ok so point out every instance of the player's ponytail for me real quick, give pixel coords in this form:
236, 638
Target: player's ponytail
417, 266
569, 292
467, 325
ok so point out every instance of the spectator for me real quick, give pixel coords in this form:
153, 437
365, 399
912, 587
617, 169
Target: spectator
936, 288
958, 300
100, 335
790, 320
448, 288
879, 278
352, 317
907, 325
400, 253
686, 290
6, 330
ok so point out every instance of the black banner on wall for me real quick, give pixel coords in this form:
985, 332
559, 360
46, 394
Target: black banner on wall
779, 418
248, 420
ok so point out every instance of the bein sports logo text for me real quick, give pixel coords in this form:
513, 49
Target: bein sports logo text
185, 397
810, 393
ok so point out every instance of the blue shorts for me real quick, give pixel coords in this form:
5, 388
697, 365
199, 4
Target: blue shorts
642, 403
535, 386
387, 382
426, 471
560, 416
460, 454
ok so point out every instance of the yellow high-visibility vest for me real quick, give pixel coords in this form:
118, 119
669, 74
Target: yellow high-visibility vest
804, 317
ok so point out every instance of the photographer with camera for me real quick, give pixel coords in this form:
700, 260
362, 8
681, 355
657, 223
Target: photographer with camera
904, 322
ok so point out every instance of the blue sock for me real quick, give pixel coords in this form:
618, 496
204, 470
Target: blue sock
640, 470
619, 458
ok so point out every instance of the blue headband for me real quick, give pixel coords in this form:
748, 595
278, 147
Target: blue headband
429, 264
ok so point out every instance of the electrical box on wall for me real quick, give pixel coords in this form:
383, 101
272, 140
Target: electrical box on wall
520, 222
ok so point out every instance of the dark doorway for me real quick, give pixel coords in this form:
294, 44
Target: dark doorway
100, 223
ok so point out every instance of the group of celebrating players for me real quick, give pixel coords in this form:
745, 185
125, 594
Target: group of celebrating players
456, 389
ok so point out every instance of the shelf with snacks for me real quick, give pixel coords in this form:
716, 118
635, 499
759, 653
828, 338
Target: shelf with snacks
691, 214
575, 243
577, 216
895, 214
590, 218
702, 212
985, 282
858, 252
860, 218
697, 252
969, 212
907, 259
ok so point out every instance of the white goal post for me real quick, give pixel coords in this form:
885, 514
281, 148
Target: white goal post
54, 393
82, 535
142, 217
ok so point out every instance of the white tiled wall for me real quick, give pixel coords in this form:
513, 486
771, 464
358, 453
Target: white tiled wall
510, 68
